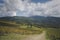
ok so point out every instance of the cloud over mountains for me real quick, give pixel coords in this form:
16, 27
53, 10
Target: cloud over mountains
29, 8
50, 8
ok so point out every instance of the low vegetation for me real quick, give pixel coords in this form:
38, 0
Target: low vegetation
53, 33
19, 28
11, 31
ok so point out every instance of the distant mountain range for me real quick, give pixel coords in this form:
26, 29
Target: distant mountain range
39, 20
47, 21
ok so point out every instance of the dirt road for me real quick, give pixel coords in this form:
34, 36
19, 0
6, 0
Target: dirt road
36, 37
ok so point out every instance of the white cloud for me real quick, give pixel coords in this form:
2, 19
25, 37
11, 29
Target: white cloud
8, 8
51, 8
28, 8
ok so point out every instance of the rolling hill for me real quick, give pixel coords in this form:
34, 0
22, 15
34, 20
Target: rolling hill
40, 21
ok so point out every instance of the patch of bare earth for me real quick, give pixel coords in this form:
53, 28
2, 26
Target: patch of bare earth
36, 37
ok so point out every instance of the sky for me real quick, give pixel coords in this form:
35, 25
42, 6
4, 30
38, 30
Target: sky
30, 8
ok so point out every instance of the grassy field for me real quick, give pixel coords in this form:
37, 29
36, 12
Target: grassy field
11, 33
8, 31
15, 33
53, 33
20, 30
13, 36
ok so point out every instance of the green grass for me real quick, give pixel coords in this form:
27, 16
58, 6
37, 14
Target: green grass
13, 36
22, 31
19, 30
53, 33
12, 27
12, 33
17, 33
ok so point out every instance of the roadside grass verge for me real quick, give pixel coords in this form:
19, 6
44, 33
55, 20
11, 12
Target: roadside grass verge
53, 33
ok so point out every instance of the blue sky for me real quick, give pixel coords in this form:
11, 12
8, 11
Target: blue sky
1, 1
41, 1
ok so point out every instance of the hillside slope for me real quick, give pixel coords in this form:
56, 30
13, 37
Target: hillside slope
35, 20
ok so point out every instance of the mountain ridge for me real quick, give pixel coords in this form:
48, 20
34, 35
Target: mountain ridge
39, 20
